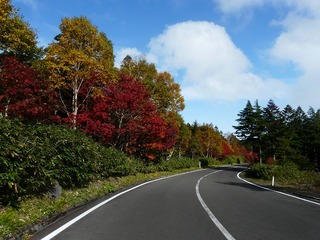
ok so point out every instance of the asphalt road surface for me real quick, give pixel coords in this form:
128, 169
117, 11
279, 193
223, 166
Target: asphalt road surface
205, 204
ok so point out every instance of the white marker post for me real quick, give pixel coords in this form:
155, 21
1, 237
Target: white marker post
272, 183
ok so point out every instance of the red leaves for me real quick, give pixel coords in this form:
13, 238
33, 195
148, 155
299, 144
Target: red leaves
23, 94
120, 115
126, 119
227, 149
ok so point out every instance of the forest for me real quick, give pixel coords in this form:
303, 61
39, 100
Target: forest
68, 114
278, 136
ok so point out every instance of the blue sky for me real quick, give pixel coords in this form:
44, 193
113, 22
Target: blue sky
221, 52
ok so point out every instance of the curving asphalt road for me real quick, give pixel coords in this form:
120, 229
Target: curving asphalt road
205, 204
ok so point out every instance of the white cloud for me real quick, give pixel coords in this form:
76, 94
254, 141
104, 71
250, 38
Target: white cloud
297, 44
300, 44
123, 52
213, 67
235, 6
309, 7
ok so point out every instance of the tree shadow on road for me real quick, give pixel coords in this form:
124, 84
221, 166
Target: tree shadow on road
238, 182
245, 185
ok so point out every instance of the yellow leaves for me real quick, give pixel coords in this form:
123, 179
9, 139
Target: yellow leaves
96, 92
81, 47
169, 93
5, 10
16, 36
165, 93
210, 139
81, 56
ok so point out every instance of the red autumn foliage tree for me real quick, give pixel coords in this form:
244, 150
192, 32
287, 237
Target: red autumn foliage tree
23, 94
249, 156
227, 149
125, 118
240, 150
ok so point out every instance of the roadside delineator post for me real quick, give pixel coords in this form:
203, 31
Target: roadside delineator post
272, 182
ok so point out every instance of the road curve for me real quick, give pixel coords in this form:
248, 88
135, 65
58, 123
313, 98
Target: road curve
205, 204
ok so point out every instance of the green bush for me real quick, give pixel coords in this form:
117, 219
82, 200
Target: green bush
232, 160
260, 171
288, 173
301, 161
33, 157
163, 165
178, 163
240, 159
207, 161
204, 162
11, 157
110, 162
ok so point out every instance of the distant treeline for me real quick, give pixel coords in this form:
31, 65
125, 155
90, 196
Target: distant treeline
281, 136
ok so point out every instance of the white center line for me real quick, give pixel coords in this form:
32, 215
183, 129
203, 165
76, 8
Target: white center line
211, 215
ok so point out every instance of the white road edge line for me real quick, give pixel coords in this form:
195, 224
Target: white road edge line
275, 191
74, 220
223, 230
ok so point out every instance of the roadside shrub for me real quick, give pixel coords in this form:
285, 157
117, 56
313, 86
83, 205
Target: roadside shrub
240, 159
260, 171
204, 162
12, 147
25, 162
207, 161
180, 163
175, 163
146, 168
288, 173
232, 160
33, 157
301, 161
110, 162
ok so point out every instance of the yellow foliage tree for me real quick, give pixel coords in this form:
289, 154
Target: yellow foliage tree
165, 92
80, 62
167, 96
211, 141
16, 36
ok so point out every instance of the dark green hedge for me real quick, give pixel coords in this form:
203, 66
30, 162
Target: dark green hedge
33, 157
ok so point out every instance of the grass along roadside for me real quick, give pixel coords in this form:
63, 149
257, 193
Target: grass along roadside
288, 177
22, 222
299, 189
